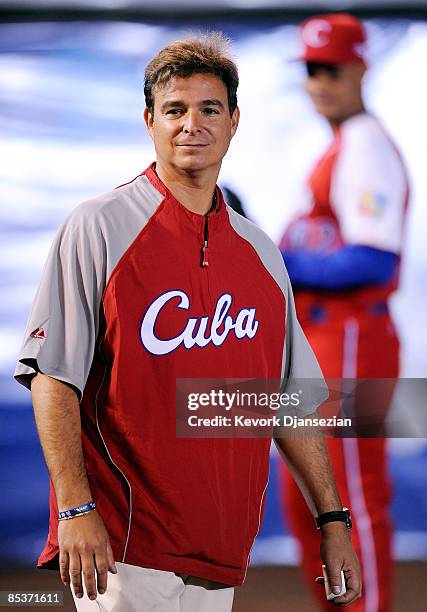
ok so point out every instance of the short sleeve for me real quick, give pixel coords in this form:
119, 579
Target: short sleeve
369, 189
301, 372
63, 324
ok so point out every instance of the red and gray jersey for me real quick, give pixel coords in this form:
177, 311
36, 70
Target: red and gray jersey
137, 292
357, 195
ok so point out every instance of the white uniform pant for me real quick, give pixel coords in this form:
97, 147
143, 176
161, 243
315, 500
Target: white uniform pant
139, 589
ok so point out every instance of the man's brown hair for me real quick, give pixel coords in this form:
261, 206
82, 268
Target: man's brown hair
183, 58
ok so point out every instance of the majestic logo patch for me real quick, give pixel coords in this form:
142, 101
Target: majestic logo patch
38, 333
197, 331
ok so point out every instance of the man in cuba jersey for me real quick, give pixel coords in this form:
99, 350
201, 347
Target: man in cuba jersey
155, 281
342, 255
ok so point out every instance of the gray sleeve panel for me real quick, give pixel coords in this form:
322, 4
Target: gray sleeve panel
84, 253
267, 251
301, 370
298, 361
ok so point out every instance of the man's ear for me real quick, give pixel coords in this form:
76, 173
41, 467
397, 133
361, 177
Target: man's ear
149, 120
235, 117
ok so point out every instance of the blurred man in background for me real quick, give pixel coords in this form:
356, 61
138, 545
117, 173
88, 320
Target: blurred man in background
342, 255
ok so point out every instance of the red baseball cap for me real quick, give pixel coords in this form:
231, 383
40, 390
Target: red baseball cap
337, 38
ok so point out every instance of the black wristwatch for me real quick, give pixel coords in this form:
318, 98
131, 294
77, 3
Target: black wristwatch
336, 515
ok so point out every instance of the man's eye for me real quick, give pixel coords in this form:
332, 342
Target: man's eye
210, 111
174, 111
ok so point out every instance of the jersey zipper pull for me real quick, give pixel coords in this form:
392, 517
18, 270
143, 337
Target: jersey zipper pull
204, 258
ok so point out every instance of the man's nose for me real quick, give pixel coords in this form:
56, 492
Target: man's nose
192, 122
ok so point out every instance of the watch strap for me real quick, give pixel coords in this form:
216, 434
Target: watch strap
333, 516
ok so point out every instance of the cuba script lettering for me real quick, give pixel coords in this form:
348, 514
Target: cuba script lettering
208, 329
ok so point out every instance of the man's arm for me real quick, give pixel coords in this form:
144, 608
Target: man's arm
350, 267
308, 460
83, 541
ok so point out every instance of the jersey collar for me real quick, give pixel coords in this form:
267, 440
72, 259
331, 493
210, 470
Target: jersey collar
216, 215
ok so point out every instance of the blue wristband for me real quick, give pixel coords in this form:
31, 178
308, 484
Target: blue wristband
72, 512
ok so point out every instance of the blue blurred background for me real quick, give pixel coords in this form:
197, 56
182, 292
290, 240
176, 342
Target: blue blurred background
71, 124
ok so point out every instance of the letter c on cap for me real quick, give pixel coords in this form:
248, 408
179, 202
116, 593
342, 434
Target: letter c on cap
316, 33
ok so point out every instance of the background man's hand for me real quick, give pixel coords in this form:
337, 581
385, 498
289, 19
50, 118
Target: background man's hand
84, 549
338, 554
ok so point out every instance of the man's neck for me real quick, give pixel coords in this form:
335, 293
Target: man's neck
358, 109
194, 191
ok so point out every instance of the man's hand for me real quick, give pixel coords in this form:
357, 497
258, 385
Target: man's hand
84, 548
338, 554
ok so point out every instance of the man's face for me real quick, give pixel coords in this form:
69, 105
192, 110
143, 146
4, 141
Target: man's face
334, 89
191, 125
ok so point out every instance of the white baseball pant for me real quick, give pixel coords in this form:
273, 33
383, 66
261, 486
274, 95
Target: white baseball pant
139, 589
